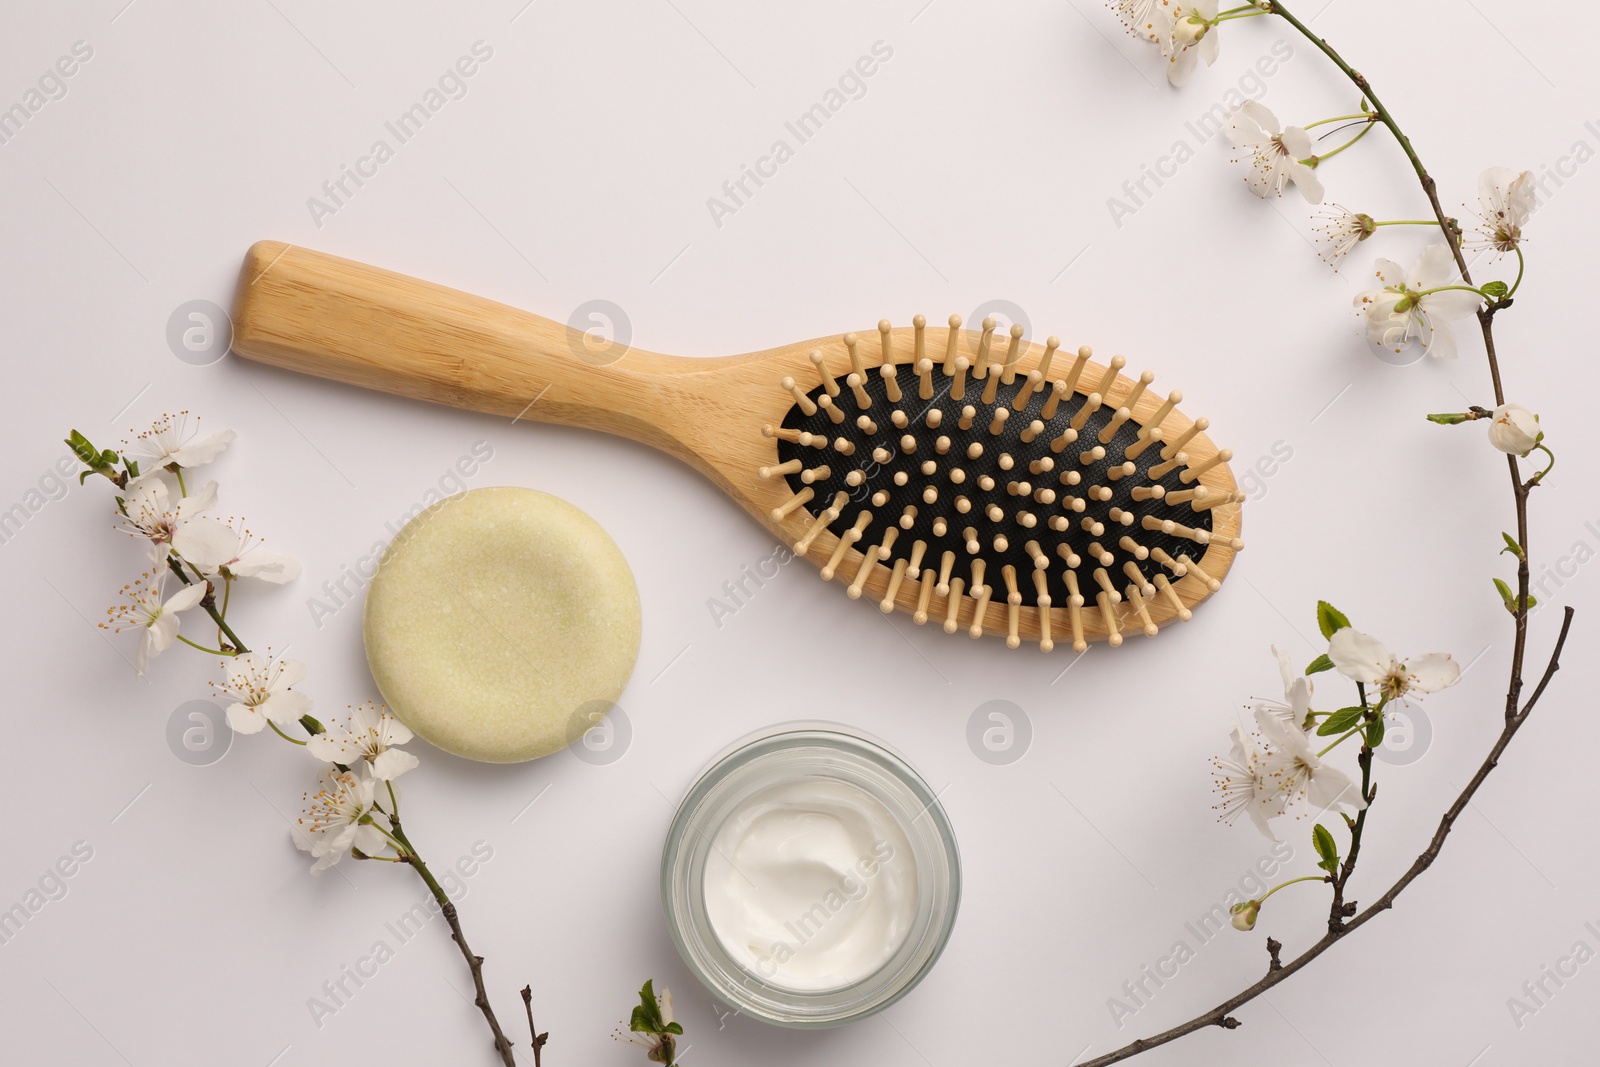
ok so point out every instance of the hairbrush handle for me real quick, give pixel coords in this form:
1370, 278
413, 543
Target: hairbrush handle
349, 322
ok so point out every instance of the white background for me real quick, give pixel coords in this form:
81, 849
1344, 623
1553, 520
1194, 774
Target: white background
977, 166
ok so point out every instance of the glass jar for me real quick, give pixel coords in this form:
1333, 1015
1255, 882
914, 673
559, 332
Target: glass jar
833, 761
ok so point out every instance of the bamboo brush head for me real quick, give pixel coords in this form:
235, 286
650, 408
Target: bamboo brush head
994, 486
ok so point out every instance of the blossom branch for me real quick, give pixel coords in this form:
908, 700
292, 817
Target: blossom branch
1278, 972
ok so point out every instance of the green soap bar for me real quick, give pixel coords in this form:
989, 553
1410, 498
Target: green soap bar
501, 624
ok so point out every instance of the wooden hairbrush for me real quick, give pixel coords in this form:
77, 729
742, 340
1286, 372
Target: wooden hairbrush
970, 478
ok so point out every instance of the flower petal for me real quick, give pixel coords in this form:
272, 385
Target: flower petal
1330, 787
267, 566
1305, 179
192, 455
196, 502
1435, 266
206, 543
1359, 657
392, 763
243, 719
183, 600
1433, 672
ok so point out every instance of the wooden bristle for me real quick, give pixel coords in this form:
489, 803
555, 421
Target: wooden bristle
1132, 399
925, 377
1193, 473
1110, 377
918, 550
1194, 568
828, 381
950, 344
885, 344
801, 401
848, 538
863, 398
924, 598
980, 366
834, 412
1147, 438
952, 609
855, 356
1113, 634
1077, 368
813, 474
891, 387
1090, 405
919, 324
793, 504
1164, 587
1171, 448
958, 385
1058, 389
896, 577
1009, 375
869, 559
1138, 600
1050, 346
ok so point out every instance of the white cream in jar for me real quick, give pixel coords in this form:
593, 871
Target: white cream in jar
811, 884
810, 876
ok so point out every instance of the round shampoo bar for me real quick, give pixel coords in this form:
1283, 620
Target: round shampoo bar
501, 624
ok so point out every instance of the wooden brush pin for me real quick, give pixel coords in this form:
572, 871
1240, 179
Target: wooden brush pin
852, 495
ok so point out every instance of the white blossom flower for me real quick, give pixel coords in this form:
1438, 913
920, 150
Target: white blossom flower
218, 548
1506, 201
1187, 32
147, 611
1139, 17
1275, 152
1245, 914
1515, 429
338, 817
149, 510
260, 688
1399, 313
369, 733
1244, 779
1299, 773
1364, 659
171, 441
1338, 231
1297, 687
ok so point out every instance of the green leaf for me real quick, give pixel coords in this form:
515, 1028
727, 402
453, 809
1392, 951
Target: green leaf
313, 727
1495, 290
1512, 547
1323, 842
1320, 664
1340, 721
1450, 418
646, 1017
1509, 598
1374, 733
675, 1028
1330, 619
86, 452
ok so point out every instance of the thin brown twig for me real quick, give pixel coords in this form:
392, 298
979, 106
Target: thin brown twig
533, 1031
502, 1044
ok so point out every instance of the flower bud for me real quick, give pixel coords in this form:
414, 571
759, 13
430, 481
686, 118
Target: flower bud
1188, 31
1245, 913
1514, 429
